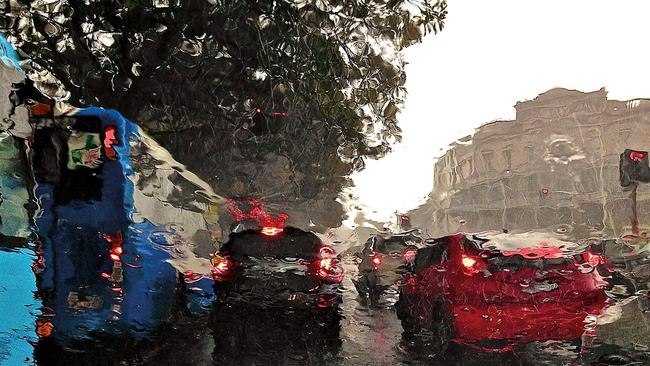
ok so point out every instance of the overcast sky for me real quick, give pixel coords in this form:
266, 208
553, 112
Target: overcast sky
490, 55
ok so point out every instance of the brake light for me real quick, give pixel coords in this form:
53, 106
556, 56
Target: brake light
116, 241
592, 260
409, 255
470, 265
637, 155
326, 264
376, 260
271, 231
468, 262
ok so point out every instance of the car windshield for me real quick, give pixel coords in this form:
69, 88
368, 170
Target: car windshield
162, 161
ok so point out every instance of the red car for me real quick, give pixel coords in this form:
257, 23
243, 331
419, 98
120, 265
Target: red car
493, 291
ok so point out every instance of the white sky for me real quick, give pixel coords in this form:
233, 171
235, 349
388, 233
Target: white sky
490, 55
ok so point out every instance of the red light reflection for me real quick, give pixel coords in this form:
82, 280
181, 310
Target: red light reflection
221, 268
116, 241
44, 329
468, 262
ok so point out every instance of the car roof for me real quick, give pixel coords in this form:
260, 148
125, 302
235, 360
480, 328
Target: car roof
291, 242
547, 244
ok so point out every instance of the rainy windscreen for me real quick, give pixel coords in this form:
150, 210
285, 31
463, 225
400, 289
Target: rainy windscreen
179, 185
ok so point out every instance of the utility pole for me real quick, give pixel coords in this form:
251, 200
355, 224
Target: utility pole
634, 220
634, 169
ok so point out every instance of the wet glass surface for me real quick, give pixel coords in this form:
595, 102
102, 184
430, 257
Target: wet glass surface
174, 175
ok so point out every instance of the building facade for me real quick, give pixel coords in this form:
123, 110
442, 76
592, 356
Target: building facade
555, 167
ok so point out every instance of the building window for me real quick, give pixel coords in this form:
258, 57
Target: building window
507, 158
531, 153
488, 156
624, 136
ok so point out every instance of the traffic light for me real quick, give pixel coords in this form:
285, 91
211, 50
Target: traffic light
633, 167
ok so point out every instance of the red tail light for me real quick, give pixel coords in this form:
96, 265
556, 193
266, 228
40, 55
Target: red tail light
592, 258
326, 264
638, 155
587, 261
190, 277
471, 265
221, 267
271, 231
468, 262
376, 260
409, 255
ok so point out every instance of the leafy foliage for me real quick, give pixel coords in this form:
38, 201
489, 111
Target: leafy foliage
238, 81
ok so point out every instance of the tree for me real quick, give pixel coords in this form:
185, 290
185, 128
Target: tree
232, 83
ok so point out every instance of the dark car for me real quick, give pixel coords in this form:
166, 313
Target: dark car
493, 291
633, 168
384, 260
277, 297
279, 265
269, 333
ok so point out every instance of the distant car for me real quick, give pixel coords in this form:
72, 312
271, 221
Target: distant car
493, 291
384, 260
277, 297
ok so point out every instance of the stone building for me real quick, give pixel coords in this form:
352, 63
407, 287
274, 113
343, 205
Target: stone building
555, 167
